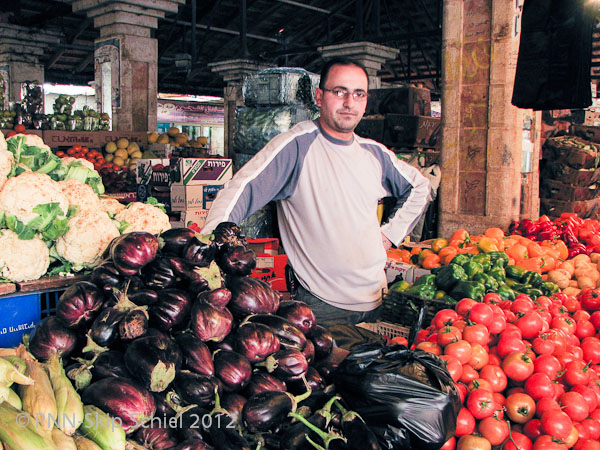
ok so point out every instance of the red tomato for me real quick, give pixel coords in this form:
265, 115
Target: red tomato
517, 366
461, 350
520, 407
564, 323
572, 304
539, 386
546, 404
465, 422
591, 349
71, 151
20, 128
556, 423
469, 374
530, 324
494, 430
472, 442
430, 347
546, 442
542, 345
481, 403
479, 356
576, 372
522, 304
518, 441
533, 429
574, 405
587, 444
494, 359
462, 392
588, 394
508, 344
445, 317
60, 153
400, 340
581, 315
492, 298
448, 334
498, 324
476, 334
496, 377
450, 444
590, 299
481, 313
454, 366
479, 383
76, 147
560, 342
595, 319
589, 429
464, 306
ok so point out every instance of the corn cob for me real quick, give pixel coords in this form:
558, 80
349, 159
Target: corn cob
8, 352
14, 400
17, 362
103, 429
9, 374
84, 443
62, 441
38, 399
69, 407
18, 430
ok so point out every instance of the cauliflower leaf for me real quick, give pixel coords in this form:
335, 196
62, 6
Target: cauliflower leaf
38, 159
50, 222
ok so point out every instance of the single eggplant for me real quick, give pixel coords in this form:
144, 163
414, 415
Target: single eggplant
195, 389
219, 298
184, 270
224, 435
192, 444
358, 434
190, 423
256, 341
267, 410
109, 364
233, 403
51, 336
312, 378
199, 251
236, 261
174, 240
226, 344
131, 285
106, 276
287, 364
202, 279
172, 311
164, 407
79, 304
299, 314
261, 382
228, 234
134, 324
156, 436
105, 328
132, 251
252, 296
323, 341
123, 398
153, 359
196, 354
294, 437
209, 323
309, 351
289, 335
159, 274
234, 370
143, 297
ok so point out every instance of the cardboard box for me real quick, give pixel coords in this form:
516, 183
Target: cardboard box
200, 171
193, 197
264, 246
160, 193
400, 100
193, 216
393, 269
411, 131
272, 270
154, 172
123, 197
161, 150
371, 128
93, 139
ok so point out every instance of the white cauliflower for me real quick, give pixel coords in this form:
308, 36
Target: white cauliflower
22, 193
2, 142
111, 205
89, 234
79, 194
7, 161
84, 162
144, 217
22, 259
32, 140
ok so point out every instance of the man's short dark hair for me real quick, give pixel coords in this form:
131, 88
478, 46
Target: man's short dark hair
338, 62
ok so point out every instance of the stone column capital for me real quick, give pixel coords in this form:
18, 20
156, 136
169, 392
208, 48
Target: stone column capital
234, 70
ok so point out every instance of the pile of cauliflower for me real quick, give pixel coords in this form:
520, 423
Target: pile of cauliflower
44, 220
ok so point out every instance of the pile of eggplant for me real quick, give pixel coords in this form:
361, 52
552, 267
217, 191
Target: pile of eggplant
172, 336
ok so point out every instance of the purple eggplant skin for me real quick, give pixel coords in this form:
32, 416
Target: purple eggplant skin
105, 328
195, 389
233, 369
51, 336
313, 378
236, 261
132, 251
224, 435
219, 298
153, 359
252, 296
262, 381
288, 334
183, 269
133, 325
196, 355
106, 276
299, 314
256, 341
226, 344
193, 444
290, 364
294, 437
309, 351
323, 341
358, 434
159, 274
233, 403
79, 304
173, 241
189, 425
110, 364
228, 234
209, 323
266, 410
171, 311
131, 285
156, 436
199, 253
163, 409
121, 397
143, 297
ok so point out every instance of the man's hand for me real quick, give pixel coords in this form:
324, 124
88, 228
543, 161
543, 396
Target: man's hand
387, 244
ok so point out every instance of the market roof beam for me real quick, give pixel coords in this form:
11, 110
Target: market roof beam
82, 27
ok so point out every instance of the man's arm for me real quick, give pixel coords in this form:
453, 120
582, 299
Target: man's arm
387, 244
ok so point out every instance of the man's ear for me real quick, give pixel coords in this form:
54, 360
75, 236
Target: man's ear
318, 96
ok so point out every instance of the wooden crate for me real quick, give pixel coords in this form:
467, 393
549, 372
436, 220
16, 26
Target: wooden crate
561, 191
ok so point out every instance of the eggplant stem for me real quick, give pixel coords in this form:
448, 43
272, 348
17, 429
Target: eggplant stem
313, 443
91, 346
218, 408
174, 402
326, 437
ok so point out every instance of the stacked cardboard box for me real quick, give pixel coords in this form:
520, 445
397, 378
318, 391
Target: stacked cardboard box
270, 264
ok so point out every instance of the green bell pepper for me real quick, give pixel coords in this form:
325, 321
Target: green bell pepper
510, 282
449, 275
490, 283
549, 288
515, 272
399, 286
448, 300
473, 268
483, 259
461, 259
425, 291
468, 289
505, 292
498, 258
533, 292
498, 273
532, 278
425, 279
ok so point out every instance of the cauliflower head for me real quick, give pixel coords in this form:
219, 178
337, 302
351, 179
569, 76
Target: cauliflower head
89, 234
21, 194
84, 162
20, 259
7, 161
79, 194
111, 205
2, 142
32, 140
144, 217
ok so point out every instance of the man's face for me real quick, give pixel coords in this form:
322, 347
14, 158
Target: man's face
339, 116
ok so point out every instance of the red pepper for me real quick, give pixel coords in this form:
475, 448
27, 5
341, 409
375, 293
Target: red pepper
577, 249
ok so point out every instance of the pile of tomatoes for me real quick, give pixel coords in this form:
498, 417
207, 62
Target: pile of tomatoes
528, 372
94, 156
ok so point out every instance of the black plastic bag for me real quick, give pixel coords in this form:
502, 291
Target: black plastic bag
407, 397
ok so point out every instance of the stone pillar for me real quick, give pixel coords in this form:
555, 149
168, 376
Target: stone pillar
127, 55
20, 50
482, 133
371, 55
233, 72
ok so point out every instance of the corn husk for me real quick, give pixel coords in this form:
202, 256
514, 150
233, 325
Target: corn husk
104, 430
9, 374
18, 430
84, 443
38, 399
14, 400
69, 406
12, 351
62, 441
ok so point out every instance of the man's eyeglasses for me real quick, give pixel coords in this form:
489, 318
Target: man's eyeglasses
359, 95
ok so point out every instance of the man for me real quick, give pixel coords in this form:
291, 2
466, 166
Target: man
327, 182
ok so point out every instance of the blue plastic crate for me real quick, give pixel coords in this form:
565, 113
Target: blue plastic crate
21, 312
